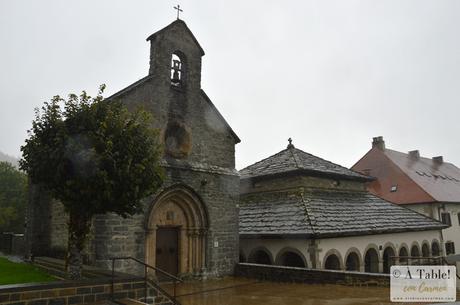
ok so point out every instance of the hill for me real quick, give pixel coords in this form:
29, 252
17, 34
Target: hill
7, 158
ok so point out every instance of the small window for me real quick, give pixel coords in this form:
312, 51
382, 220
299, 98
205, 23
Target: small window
394, 188
450, 248
458, 215
445, 219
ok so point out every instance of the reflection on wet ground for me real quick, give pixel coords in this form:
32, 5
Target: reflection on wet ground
239, 291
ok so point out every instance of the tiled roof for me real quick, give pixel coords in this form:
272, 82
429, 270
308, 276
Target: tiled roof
326, 214
295, 160
440, 180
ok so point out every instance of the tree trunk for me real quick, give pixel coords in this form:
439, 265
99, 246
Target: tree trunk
79, 226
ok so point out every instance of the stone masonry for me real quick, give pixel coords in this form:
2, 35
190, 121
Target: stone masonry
199, 155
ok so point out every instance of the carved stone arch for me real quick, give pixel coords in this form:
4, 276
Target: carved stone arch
388, 256
256, 257
426, 249
330, 255
403, 252
281, 257
415, 249
180, 209
435, 248
372, 258
350, 263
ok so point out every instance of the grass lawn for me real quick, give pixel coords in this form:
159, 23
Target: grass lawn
15, 273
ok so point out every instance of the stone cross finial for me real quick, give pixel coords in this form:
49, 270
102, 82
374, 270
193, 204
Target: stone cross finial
290, 145
178, 10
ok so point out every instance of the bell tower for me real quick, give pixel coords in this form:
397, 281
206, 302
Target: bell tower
175, 57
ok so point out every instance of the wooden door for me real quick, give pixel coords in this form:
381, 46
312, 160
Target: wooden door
167, 250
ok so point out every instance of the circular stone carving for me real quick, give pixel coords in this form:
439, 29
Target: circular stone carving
177, 139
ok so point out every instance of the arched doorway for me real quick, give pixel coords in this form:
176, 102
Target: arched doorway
403, 256
260, 256
415, 254
352, 263
435, 249
332, 263
426, 253
388, 259
290, 259
176, 232
371, 261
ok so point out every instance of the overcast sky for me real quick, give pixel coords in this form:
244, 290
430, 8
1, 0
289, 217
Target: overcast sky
329, 74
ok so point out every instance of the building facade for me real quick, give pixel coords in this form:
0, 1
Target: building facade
190, 226
299, 210
429, 186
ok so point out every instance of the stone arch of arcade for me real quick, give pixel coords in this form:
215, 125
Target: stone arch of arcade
260, 255
333, 260
291, 257
371, 259
176, 231
353, 260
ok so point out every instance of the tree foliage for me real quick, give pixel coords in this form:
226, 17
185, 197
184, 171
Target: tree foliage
13, 198
95, 157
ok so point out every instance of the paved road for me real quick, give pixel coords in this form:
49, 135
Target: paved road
237, 291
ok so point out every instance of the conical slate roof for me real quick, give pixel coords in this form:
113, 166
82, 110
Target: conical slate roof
293, 160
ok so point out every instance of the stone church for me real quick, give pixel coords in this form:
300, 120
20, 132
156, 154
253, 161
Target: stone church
190, 226
295, 209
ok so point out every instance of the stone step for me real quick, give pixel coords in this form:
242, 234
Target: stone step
128, 301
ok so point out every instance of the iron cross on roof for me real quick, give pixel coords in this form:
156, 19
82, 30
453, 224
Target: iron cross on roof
178, 10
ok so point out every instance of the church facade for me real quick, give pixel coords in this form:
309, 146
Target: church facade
190, 226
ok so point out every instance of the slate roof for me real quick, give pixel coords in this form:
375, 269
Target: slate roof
323, 213
295, 160
440, 180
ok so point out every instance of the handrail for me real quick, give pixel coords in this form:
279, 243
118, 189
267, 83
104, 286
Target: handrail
174, 278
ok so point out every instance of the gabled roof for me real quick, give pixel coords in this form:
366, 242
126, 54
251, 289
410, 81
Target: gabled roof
293, 160
219, 115
174, 23
440, 180
322, 213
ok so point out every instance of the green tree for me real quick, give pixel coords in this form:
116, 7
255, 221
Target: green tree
13, 198
95, 157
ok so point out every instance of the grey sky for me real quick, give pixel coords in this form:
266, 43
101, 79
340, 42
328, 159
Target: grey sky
329, 74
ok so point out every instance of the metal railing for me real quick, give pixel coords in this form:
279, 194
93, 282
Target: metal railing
174, 279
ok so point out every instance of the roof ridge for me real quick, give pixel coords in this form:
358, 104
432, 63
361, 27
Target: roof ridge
309, 217
296, 161
330, 162
263, 159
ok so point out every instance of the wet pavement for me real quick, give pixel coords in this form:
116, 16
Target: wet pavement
240, 291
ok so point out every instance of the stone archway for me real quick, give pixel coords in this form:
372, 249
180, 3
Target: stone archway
177, 227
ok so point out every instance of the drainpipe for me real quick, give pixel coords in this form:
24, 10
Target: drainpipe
443, 247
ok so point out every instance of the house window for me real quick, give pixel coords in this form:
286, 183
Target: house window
394, 188
450, 248
458, 215
445, 219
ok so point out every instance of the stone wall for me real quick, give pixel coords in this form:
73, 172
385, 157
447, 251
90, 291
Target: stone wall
75, 293
310, 276
117, 237
199, 153
256, 185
